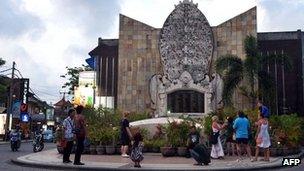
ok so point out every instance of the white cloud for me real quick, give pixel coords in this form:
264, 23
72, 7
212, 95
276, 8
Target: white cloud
45, 36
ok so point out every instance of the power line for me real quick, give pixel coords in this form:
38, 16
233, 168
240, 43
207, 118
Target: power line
42, 92
6, 70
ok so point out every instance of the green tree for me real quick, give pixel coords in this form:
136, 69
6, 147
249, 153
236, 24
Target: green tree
2, 62
230, 68
233, 70
72, 76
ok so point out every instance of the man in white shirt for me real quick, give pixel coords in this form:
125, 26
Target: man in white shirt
68, 125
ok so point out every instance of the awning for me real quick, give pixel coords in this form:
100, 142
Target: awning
91, 62
37, 117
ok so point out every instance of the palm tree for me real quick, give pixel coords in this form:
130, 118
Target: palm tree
230, 68
233, 70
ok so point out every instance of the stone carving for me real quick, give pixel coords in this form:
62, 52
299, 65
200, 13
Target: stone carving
186, 47
217, 86
186, 42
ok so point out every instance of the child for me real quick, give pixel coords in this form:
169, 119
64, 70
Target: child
136, 152
262, 138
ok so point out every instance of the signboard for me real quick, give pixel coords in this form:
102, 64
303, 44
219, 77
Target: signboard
84, 94
16, 109
49, 114
25, 90
24, 116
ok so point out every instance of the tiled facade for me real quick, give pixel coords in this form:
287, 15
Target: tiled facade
139, 58
229, 39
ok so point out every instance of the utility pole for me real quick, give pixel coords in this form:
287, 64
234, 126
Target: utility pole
10, 99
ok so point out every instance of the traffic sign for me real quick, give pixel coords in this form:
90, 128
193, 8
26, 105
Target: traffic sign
23, 108
24, 117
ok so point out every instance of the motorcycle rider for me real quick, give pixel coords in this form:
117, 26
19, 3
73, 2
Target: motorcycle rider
15, 138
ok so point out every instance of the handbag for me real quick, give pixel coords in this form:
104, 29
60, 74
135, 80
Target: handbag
214, 137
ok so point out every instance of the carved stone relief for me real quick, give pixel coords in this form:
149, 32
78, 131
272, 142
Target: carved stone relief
186, 43
186, 47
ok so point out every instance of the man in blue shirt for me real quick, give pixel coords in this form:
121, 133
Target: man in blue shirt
241, 126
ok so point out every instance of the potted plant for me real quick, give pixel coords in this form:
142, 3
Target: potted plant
100, 148
172, 140
59, 136
148, 145
111, 135
156, 145
183, 131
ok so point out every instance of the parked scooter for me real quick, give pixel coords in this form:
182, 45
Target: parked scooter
38, 142
15, 138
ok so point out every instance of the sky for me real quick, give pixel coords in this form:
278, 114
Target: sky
45, 36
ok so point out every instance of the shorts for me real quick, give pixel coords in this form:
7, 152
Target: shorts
242, 140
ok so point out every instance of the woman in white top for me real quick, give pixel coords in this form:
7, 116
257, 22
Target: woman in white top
262, 138
217, 151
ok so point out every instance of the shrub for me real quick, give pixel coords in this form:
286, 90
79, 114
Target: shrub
287, 129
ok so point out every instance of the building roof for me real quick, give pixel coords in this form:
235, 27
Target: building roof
106, 47
63, 103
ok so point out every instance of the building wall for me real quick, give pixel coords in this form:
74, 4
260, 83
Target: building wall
289, 43
138, 61
229, 39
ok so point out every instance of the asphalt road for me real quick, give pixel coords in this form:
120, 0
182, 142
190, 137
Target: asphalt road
26, 148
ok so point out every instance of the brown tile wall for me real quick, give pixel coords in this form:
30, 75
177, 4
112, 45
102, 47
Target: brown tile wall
139, 60
229, 39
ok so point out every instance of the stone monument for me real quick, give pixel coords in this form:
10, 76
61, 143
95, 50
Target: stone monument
186, 46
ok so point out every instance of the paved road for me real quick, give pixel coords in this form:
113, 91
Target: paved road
26, 148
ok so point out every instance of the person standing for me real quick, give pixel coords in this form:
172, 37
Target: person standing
241, 126
217, 151
81, 133
125, 135
230, 137
68, 125
262, 138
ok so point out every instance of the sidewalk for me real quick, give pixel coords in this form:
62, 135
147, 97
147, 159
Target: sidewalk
52, 159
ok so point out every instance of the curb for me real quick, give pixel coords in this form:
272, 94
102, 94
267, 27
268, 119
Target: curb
72, 167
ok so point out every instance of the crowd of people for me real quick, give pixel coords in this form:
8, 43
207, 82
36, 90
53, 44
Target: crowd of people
237, 135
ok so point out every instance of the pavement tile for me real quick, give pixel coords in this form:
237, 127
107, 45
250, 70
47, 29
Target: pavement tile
151, 162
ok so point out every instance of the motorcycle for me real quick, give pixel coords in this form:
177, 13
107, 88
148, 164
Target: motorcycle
15, 140
38, 143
